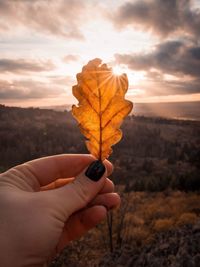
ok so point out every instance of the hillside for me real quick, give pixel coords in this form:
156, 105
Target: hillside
157, 172
154, 154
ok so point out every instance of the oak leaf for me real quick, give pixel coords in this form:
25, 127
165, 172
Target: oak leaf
102, 106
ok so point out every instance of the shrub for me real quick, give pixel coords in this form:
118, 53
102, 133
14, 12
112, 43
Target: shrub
187, 218
139, 235
133, 220
163, 225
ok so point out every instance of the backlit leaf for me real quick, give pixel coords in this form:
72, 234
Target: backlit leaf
102, 106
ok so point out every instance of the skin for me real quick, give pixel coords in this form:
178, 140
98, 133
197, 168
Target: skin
43, 207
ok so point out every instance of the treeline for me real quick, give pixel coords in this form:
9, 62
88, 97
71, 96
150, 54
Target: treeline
154, 154
30, 133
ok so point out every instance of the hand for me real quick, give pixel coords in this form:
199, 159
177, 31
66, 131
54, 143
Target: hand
40, 213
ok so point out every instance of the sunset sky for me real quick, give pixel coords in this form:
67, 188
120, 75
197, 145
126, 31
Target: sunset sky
44, 43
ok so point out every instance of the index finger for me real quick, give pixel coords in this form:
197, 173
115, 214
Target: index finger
48, 169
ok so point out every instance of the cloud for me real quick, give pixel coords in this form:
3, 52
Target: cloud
163, 17
61, 80
70, 58
60, 17
27, 89
164, 87
160, 86
22, 66
173, 67
173, 57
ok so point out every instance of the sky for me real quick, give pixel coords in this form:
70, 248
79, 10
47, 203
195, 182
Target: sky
45, 43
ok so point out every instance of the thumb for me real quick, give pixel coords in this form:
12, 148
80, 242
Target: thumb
77, 194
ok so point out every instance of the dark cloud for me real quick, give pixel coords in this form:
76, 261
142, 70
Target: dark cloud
162, 17
60, 17
173, 67
172, 57
27, 89
162, 87
21, 65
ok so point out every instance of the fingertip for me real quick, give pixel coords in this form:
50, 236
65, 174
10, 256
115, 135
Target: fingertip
94, 215
108, 200
108, 187
117, 204
100, 213
109, 167
102, 210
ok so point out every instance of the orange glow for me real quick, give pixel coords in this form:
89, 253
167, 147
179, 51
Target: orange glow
168, 98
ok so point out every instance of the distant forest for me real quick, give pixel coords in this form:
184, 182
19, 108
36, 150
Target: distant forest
155, 153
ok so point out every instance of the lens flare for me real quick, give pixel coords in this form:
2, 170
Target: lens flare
117, 70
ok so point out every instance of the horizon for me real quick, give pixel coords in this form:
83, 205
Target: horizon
167, 110
65, 104
40, 54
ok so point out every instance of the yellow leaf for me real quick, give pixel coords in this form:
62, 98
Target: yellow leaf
102, 106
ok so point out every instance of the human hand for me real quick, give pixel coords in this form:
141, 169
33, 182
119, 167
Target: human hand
34, 224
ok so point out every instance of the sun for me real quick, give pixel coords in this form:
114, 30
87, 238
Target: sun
135, 77
117, 70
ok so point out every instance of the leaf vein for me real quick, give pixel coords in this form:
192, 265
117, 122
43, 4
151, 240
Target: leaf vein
115, 114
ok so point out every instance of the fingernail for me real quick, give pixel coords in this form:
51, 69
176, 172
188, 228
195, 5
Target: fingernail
95, 170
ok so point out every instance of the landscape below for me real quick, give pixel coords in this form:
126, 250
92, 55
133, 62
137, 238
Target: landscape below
174, 110
157, 172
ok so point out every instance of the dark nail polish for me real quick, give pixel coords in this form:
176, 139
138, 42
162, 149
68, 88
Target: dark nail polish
95, 171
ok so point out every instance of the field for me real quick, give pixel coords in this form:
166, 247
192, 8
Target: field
154, 154
153, 222
157, 172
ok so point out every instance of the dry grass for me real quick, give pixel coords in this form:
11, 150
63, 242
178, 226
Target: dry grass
146, 214
142, 215
187, 218
163, 225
